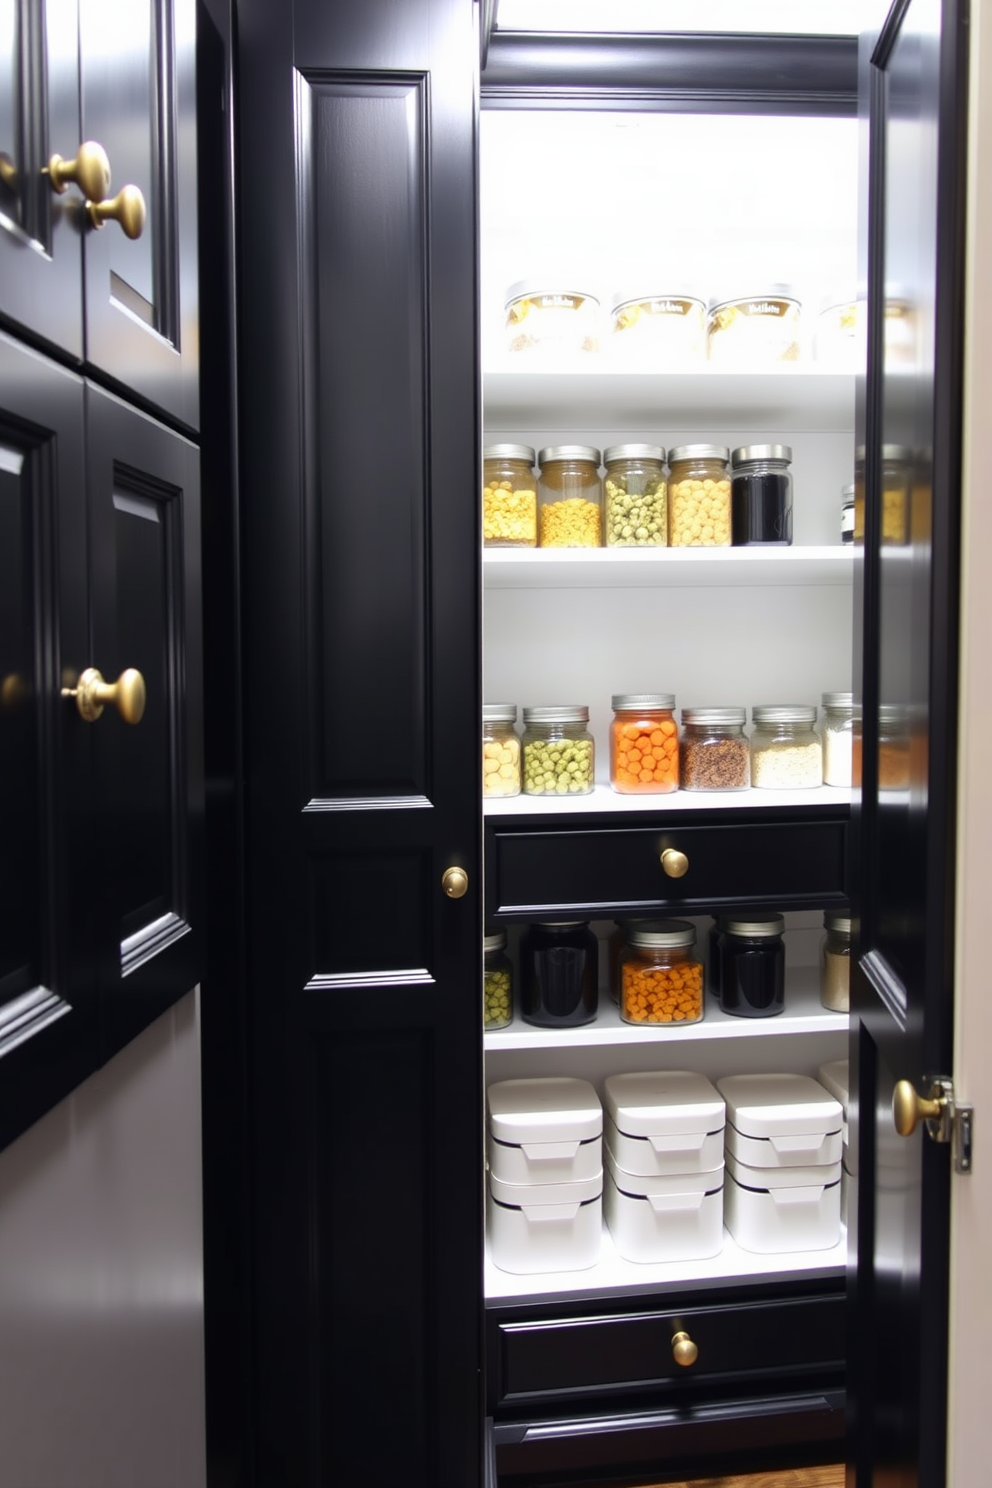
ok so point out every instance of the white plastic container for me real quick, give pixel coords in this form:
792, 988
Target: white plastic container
676, 1218
545, 1227
781, 1121
544, 1131
835, 1077
664, 1122
773, 1210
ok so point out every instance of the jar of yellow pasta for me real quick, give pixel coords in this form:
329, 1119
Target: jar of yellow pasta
509, 496
570, 497
699, 496
500, 750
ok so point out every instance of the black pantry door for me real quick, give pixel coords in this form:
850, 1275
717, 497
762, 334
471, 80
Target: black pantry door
360, 394
914, 76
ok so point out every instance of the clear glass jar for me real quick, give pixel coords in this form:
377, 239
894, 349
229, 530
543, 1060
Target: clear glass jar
715, 755
509, 496
570, 492
615, 947
840, 331
661, 978
497, 978
752, 966
500, 750
636, 501
755, 329
786, 752
644, 744
761, 496
835, 963
699, 497
559, 974
558, 751
896, 461
847, 514
893, 747
839, 714
665, 331
549, 321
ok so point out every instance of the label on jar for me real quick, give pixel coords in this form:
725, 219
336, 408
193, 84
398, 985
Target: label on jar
755, 327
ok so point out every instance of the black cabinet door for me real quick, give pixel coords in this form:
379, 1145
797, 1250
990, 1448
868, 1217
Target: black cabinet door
915, 104
361, 601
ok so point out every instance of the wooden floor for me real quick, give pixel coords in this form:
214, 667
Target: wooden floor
801, 1477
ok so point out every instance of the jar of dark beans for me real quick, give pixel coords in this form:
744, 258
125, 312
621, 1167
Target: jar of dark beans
752, 966
714, 754
761, 496
559, 974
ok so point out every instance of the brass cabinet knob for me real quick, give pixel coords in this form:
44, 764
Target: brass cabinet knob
675, 863
454, 882
909, 1108
126, 208
93, 694
90, 171
684, 1351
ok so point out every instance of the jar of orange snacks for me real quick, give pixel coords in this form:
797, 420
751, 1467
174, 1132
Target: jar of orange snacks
644, 744
661, 977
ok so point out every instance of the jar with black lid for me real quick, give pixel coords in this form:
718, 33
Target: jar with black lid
752, 966
761, 496
559, 974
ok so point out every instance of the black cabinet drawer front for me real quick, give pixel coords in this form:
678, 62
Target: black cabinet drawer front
788, 863
607, 1354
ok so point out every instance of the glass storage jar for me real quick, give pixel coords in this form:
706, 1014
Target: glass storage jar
786, 752
839, 714
644, 744
558, 751
497, 978
550, 321
752, 966
755, 329
636, 501
761, 495
661, 978
614, 949
500, 750
509, 496
559, 981
840, 331
715, 755
847, 514
570, 514
896, 464
835, 963
665, 331
699, 497
893, 747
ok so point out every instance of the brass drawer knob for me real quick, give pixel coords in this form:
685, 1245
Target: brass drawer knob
90, 171
910, 1108
93, 694
454, 882
675, 863
127, 208
684, 1351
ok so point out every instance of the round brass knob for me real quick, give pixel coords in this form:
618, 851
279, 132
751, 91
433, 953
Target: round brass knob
90, 171
454, 882
93, 694
684, 1351
675, 863
127, 208
909, 1108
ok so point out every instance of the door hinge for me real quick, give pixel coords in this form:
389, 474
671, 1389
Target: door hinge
953, 1123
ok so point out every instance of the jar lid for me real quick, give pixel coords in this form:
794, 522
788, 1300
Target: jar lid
847, 494
555, 452
662, 933
759, 925
499, 712
699, 452
495, 942
559, 924
841, 922
508, 452
627, 296
784, 713
714, 715
896, 713
526, 289
765, 292
564, 713
749, 452
629, 702
837, 699
889, 452
633, 452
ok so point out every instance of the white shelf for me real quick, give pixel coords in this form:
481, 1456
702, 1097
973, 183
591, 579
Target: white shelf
604, 801
669, 568
581, 397
612, 1275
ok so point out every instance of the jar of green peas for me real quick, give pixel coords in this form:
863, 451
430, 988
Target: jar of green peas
559, 756
497, 975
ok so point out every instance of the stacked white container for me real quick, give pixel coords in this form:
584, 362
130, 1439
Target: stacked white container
663, 1190
545, 1159
835, 1078
783, 1153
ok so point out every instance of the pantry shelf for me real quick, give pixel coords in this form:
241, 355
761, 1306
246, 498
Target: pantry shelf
670, 568
603, 801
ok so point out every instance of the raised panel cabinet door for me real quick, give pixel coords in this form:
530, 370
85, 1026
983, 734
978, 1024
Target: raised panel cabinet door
41, 229
138, 66
144, 536
48, 1017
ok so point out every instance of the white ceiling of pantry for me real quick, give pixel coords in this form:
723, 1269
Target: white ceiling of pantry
792, 17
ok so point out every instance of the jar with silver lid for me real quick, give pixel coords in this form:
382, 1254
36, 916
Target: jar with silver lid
699, 496
497, 978
761, 495
755, 328
500, 750
551, 321
509, 496
570, 493
664, 329
661, 976
840, 714
786, 752
752, 965
636, 500
835, 963
715, 755
559, 756
644, 743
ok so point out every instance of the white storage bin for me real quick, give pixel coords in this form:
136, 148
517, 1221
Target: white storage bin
779, 1121
664, 1122
545, 1227
773, 1210
835, 1077
544, 1131
675, 1218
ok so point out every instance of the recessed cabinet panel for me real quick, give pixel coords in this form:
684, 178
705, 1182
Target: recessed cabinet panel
369, 913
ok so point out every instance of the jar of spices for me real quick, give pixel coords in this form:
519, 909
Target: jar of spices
699, 497
893, 747
644, 744
559, 982
509, 496
497, 978
500, 750
752, 966
761, 496
715, 755
558, 751
786, 752
570, 514
847, 513
839, 714
661, 978
666, 331
835, 963
636, 503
